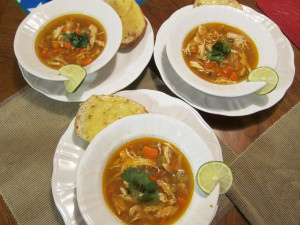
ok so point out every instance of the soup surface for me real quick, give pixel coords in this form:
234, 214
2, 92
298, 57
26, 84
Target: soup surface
70, 39
220, 53
148, 181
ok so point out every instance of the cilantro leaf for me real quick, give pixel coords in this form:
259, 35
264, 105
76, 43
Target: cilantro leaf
139, 182
219, 52
77, 40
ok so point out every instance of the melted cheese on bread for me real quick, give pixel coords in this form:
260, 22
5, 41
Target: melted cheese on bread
98, 112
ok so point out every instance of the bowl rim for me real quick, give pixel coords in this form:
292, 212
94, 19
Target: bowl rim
153, 122
230, 16
30, 27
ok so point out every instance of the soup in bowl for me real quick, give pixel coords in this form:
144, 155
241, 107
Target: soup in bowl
141, 170
148, 181
216, 49
70, 39
86, 33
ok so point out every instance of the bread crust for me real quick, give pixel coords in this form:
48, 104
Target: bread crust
232, 3
135, 41
133, 21
107, 109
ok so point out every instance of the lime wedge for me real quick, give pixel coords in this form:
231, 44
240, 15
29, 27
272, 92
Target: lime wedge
267, 75
76, 75
212, 173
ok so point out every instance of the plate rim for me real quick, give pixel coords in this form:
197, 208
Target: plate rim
33, 81
222, 14
234, 112
88, 170
69, 132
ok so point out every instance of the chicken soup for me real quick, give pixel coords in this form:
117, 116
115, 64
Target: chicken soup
148, 181
220, 53
70, 39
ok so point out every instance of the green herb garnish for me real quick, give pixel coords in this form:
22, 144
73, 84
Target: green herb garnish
139, 182
219, 52
77, 40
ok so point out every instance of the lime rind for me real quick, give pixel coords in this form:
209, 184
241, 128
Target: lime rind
267, 75
72, 85
76, 75
69, 70
212, 173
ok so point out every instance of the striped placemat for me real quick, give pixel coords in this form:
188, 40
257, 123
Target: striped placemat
31, 126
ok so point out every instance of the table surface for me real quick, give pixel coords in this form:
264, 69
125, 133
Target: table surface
237, 132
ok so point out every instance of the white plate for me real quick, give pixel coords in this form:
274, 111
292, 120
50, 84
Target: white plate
117, 74
89, 190
236, 106
262, 38
24, 43
71, 148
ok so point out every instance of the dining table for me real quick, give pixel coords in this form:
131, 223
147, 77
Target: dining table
237, 132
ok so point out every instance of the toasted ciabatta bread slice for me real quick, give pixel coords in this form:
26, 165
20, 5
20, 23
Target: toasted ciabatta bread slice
232, 3
98, 111
133, 21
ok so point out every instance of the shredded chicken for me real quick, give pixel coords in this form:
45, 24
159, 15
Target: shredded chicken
130, 160
73, 41
201, 44
162, 197
136, 212
239, 40
57, 32
119, 204
100, 43
166, 211
93, 30
166, 188
196, 65
71, 25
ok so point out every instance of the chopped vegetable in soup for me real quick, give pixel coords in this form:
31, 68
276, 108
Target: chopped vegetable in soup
220, 53
70, 39
148, 181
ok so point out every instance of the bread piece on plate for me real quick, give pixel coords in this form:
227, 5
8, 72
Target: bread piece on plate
98, 111
133, 21
232, 3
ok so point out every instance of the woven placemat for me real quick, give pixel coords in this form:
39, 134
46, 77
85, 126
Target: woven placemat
266, 186
31, 126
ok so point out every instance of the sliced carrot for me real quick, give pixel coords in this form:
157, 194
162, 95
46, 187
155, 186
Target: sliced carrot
182, 201
55, 44
222, 74
150, 152
162, 221
82, 50
234, 76
68, 44
111, 189
57, 50
209, 64
226, 70
194, 48
44, 53
101, 37
64, 29
156, 176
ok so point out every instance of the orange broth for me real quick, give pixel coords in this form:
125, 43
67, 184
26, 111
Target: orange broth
234, 68
70, 39
175, 184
